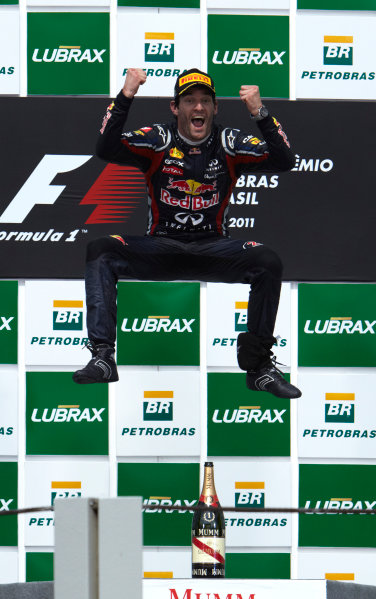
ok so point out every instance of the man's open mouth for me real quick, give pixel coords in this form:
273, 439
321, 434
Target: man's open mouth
198, 122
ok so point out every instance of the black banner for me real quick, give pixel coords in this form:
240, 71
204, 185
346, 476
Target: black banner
56, 196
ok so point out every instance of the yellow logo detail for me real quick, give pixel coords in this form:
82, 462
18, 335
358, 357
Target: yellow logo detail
175, 153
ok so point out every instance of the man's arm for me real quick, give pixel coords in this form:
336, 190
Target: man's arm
276, 154
109, 145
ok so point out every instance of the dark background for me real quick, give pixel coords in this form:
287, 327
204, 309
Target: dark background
322, 224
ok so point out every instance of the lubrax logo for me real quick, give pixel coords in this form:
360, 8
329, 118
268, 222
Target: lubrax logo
339, 407
5, 504
157, 324
338, 49
5, 323
250, 494
340, 503
68, 54
248, 414
337, 325
159, 47
68, 316
67, 413
248, 56
152, 504
65, 489
158, 406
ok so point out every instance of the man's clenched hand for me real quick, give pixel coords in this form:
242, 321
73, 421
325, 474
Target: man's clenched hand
133, 80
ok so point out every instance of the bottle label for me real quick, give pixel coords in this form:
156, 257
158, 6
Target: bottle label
209, 499
208, 551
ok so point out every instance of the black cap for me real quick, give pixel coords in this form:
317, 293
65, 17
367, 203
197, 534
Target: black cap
191, 78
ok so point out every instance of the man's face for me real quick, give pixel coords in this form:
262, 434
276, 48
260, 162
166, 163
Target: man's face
195, 113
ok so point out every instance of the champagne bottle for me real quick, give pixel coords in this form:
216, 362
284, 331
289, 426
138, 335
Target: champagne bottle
208, 531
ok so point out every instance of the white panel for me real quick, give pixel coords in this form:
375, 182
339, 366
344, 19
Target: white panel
55, 335
90, 478
9, 566
255, 484
9, 51
353, 77
347, 565
167, 564
167, 56
168, 425
226, 319
249, 4
337, 426
8, 410
259, 589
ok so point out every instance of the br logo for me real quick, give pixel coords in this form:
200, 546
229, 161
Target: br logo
241, 316
249, 494
68, 316
339, 407
158, 406
65, 489
338, 49
159, 47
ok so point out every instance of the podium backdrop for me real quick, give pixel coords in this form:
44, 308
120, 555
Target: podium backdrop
56, 196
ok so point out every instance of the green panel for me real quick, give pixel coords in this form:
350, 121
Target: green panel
68, 53
8, 2
162, 484
39, 566
8, 501
158, 323
249, 49
337, 325
337, 4
258, 565
8, 322
161, 3
333, 486
254, 423
63, 418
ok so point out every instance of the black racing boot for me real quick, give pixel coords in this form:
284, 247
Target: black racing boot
101, 368
269, 378
256, 357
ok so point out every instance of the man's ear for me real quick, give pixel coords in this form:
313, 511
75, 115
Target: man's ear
215, 107
174, 108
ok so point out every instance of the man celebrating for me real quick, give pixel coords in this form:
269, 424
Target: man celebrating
190, 167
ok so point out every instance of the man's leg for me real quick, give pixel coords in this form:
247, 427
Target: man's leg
107, 259
233, 261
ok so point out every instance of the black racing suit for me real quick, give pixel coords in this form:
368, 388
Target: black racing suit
189, 188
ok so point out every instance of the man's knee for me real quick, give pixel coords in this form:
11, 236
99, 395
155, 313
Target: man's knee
272, 263
102, 245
